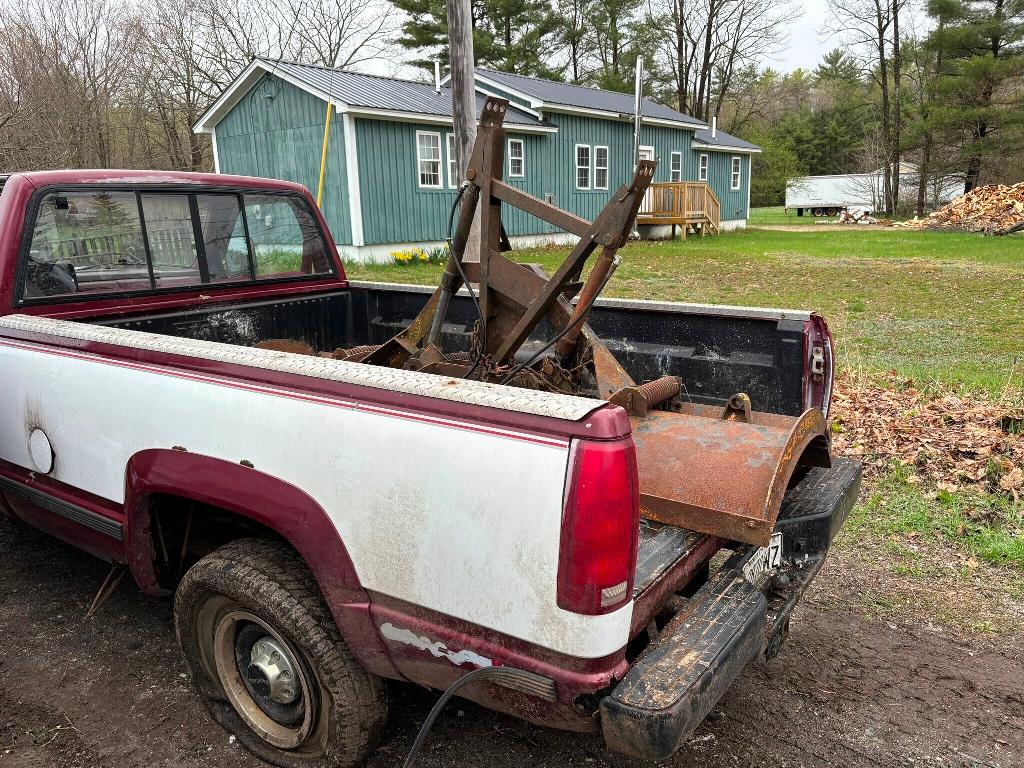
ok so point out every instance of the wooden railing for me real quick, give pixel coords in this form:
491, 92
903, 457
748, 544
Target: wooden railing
680, 202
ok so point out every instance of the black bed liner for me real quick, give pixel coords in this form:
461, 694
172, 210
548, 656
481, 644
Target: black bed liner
717, 351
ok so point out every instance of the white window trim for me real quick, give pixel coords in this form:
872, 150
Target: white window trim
522, 158
607, 163
703, 163
589, 166
673, 173
453, 160
439, 161
736, 173
355, 202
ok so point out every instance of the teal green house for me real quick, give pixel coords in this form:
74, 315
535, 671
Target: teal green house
391, 172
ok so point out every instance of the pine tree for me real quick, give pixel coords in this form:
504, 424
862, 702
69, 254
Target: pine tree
508, 35
977, 92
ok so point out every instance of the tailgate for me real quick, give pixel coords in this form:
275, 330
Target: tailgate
702, 639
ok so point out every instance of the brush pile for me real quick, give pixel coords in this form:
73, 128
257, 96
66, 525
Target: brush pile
946, 440
995, 210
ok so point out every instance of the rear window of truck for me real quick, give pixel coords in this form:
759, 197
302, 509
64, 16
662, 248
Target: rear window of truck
98, 242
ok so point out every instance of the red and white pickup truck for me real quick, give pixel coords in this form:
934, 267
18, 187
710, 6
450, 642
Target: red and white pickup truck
328, 525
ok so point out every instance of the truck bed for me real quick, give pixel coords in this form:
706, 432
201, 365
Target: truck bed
716, 350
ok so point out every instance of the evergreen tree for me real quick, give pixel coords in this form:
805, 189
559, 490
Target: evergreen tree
837, 66
977, 92
508, 35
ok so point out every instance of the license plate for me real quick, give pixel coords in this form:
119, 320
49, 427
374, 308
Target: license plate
764, 559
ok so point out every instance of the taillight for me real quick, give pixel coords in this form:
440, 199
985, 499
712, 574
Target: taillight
818, 375
600, 525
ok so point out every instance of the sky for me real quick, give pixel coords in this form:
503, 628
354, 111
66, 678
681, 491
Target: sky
807, 44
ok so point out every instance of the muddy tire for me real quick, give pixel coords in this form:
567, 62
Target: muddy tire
268, 661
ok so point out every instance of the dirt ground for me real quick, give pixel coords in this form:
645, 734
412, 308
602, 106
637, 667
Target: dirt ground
848, 690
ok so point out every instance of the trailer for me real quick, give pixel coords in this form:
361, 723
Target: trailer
830, 195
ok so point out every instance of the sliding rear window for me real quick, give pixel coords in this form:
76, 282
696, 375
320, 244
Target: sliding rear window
102, 242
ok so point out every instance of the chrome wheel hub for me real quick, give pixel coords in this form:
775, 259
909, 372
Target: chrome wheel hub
271, 671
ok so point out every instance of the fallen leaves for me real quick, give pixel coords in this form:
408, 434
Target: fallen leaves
948, 441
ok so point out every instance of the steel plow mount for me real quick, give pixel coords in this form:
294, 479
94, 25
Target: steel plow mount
721, 471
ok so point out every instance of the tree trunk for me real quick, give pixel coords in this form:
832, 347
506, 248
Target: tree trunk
923, 173
704, 85
897, 116
681, 79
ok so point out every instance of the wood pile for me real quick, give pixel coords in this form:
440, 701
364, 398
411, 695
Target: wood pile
995, 210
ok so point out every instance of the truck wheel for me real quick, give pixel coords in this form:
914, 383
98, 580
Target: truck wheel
267, 659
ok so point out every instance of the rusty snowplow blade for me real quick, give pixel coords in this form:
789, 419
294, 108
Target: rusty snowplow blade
723, 472
720, 471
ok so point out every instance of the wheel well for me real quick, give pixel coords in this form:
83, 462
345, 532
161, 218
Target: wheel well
183, 531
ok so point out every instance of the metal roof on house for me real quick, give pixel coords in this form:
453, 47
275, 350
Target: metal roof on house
723, 140
555, 94
383, 93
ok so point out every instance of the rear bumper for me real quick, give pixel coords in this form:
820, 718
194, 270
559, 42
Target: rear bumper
730, 622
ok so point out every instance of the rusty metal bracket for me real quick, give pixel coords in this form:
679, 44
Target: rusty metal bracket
723, 477
512, 304
737, 408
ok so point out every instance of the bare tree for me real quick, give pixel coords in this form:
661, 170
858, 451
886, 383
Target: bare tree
712, 40
871, 29
342, 33
109, 83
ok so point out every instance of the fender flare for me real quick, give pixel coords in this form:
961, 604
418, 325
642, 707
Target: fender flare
273, 503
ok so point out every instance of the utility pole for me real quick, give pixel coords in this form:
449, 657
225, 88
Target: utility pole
461, 60
638, 108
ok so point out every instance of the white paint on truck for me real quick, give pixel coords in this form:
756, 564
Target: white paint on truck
452, 516
435, 648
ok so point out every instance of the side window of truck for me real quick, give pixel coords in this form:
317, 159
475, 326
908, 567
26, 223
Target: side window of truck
86, 242
286, 240
102, 241
172, 239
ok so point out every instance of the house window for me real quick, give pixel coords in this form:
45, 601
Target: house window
702, 172
736, 173
516, 164
454, 177
428, 158
677, 166
600, 167
582, 166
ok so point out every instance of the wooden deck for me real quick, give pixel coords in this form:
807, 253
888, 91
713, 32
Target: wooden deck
690, 205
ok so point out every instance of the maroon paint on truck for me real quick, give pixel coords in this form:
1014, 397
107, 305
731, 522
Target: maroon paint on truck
94, 542
818, 394
573, 676
274, 504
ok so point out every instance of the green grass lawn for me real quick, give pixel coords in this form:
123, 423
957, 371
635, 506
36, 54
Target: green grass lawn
776, 214
933, 306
